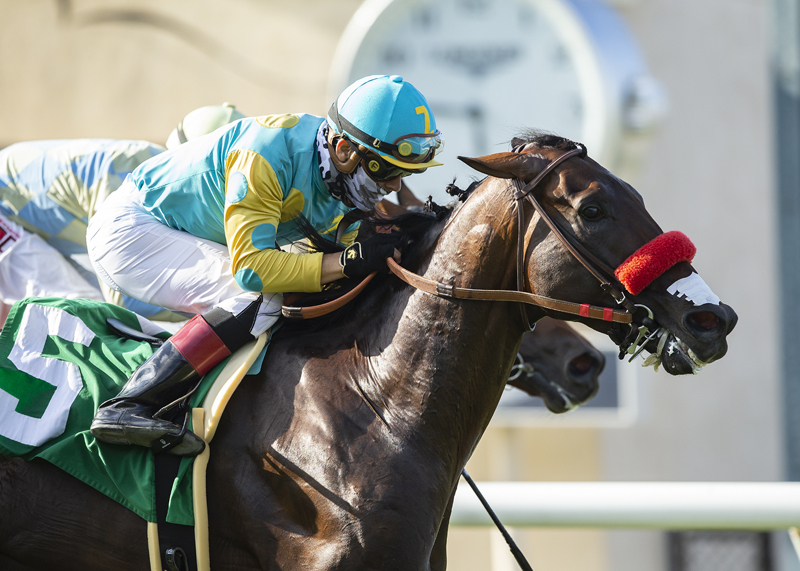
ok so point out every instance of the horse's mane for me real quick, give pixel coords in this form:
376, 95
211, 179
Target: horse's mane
542, 139
417, 230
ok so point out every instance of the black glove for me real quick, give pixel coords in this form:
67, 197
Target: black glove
362, 258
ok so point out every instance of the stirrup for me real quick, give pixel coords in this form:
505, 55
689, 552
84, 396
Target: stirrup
170, 441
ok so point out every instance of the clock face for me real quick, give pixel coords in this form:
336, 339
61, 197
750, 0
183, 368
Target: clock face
489, 68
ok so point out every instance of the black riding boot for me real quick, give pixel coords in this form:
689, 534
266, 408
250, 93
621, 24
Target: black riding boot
169, 374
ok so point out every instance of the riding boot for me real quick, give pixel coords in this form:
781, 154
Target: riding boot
166, 377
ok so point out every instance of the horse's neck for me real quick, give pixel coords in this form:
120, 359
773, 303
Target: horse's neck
445, 363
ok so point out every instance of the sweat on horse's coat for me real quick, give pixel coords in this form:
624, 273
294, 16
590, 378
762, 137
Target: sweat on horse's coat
305, 474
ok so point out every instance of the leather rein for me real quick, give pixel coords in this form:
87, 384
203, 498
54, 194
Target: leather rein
596, 267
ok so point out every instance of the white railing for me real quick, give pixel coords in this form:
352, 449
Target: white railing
654, 505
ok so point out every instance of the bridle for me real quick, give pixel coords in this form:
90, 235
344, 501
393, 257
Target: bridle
596, 267
519, 368
639, 334
635, 340
586, 258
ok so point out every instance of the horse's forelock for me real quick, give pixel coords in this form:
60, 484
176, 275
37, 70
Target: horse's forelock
532, 139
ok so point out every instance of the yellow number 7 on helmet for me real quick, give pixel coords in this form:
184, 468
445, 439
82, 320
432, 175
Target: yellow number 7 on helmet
423, 109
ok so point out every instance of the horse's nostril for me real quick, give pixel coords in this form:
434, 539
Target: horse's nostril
583, 363
703, 321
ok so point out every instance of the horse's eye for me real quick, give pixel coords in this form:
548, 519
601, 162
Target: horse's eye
591, 213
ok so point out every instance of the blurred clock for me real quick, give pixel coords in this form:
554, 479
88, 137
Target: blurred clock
492, 68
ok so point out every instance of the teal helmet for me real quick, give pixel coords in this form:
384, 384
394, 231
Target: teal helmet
391, 118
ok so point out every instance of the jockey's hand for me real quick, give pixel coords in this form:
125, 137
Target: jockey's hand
362, 258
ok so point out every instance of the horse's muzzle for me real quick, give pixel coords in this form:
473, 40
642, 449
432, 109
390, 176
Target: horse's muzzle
709, 325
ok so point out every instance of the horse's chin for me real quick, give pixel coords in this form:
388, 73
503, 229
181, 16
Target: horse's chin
676, 358
555, 398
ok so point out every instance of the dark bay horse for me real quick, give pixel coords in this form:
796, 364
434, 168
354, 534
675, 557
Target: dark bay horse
557, 364
344, 452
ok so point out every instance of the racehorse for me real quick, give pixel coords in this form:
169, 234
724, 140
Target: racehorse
344, 451
558, 365
555, 363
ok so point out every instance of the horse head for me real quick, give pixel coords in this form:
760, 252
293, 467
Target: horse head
557, 364
676, 317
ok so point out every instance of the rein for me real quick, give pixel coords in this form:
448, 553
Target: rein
595, 266
448, 291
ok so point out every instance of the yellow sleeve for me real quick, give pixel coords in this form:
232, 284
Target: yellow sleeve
350, 237
253, 211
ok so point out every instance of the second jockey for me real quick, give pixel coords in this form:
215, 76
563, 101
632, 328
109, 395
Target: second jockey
48, 192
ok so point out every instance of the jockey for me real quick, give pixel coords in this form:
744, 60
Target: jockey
198, 229
48, 192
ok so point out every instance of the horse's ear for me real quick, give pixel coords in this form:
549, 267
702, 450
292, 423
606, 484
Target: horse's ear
524, 166
501, 165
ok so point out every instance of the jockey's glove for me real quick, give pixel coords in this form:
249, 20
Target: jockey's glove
362, 258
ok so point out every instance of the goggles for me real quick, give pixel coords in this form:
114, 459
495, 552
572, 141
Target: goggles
412, 148
378, 169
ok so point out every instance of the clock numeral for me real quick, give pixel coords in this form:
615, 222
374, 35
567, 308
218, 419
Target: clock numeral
560, 56
577, 107
394, 55
424, 18
526, 18
474, 6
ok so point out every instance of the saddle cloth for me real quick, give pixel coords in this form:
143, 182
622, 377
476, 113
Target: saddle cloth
59, 361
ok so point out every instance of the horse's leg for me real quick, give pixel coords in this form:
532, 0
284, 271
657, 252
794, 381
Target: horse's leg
439, 551
52, 520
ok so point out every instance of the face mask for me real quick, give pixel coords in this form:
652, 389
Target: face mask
356, 190
364, 192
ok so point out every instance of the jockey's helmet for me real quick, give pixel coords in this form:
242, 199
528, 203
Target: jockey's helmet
390, 117
202, 121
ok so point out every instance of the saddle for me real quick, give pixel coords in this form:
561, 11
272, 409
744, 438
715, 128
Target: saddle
205, 419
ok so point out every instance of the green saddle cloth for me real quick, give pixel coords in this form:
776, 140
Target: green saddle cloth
59, 361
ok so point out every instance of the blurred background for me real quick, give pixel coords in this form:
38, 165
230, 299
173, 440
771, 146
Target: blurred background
695, 102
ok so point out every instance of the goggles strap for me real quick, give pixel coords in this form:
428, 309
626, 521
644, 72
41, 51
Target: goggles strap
346, 126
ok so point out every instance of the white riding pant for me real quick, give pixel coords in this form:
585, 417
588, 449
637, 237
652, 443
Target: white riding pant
30, 267
137, 255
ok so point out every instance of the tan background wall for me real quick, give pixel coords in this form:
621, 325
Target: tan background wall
125, 69
132, 69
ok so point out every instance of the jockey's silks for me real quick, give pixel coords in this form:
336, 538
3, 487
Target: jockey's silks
52, 188
243, 186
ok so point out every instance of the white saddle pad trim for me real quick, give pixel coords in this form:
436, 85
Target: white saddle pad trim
205, 420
